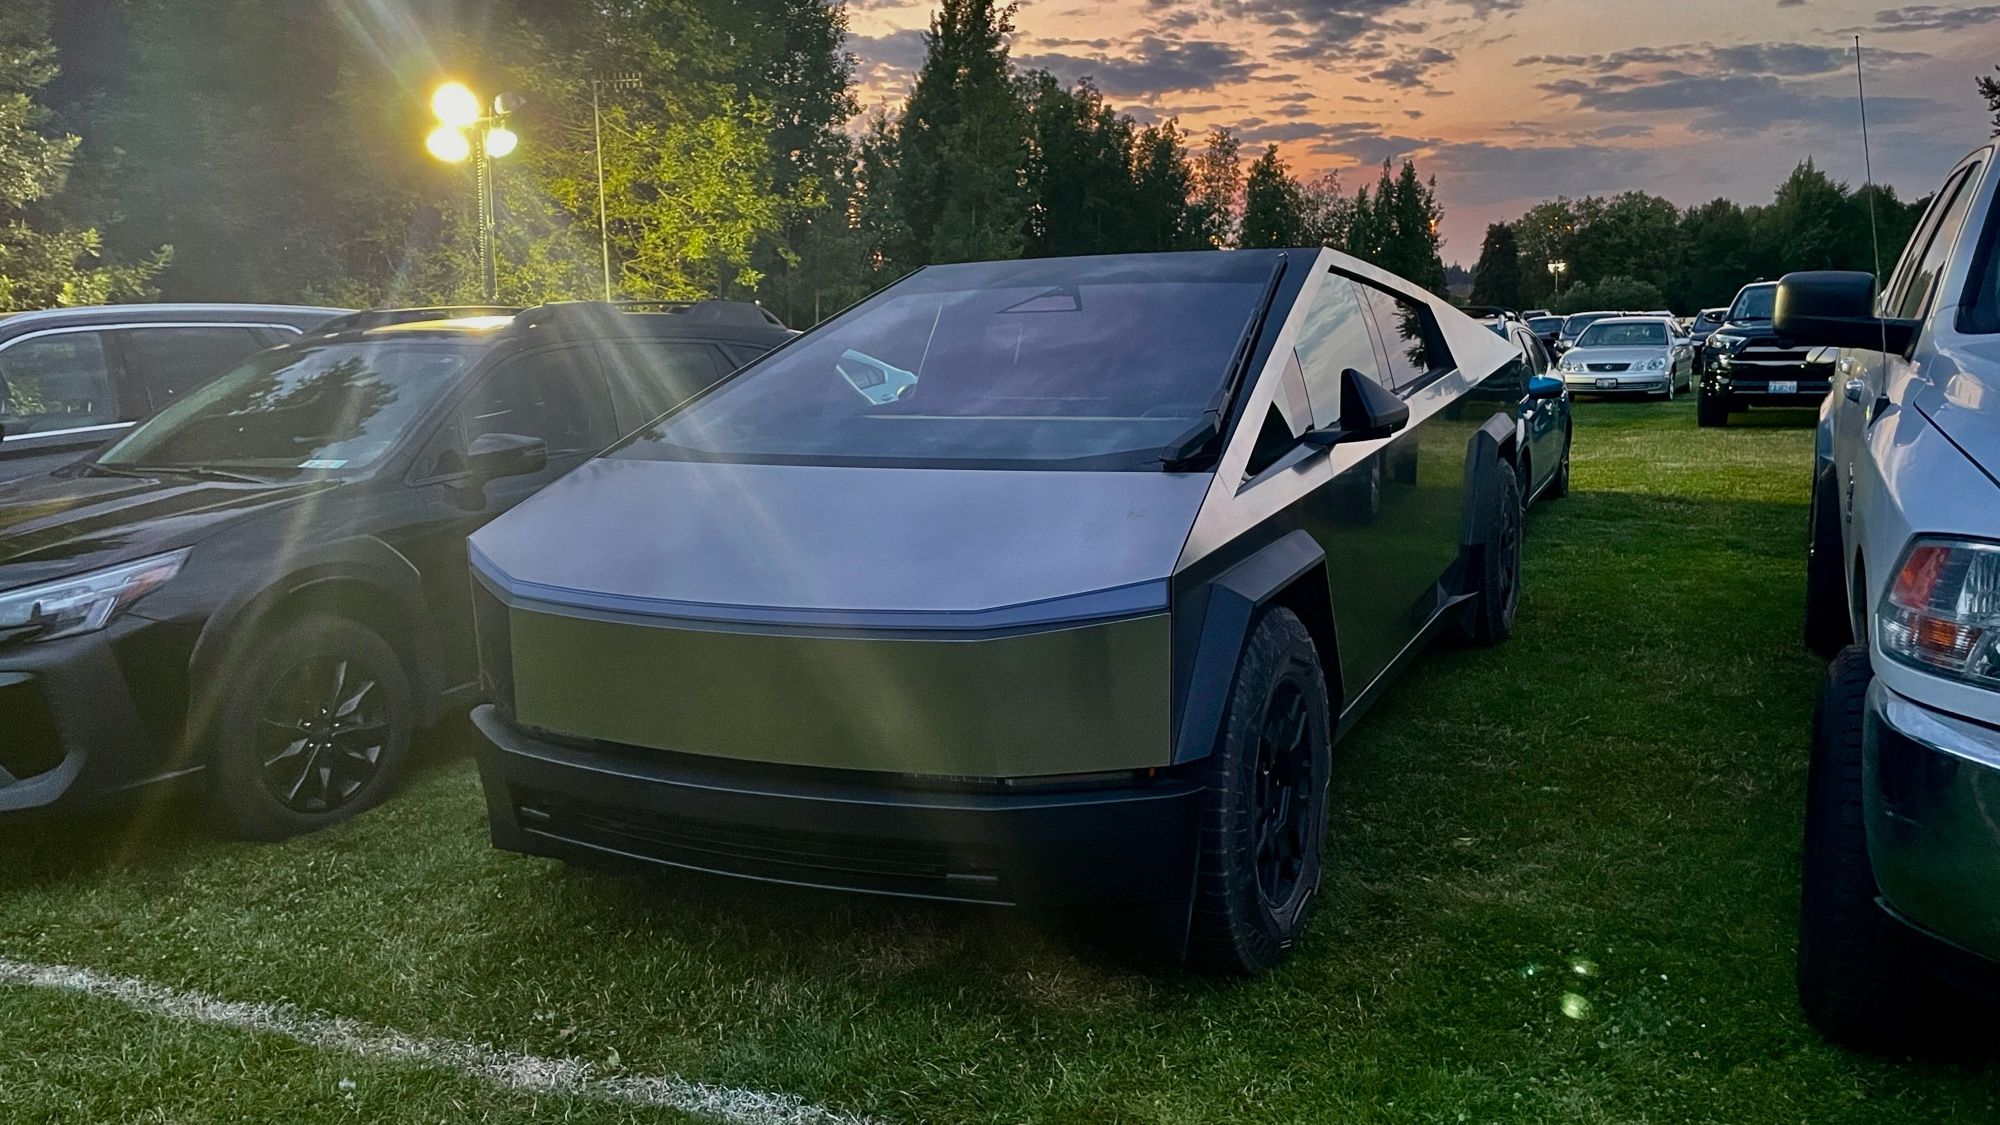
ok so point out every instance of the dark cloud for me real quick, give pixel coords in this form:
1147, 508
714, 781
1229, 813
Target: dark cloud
1412, 70
1154, 65
885, 60
1931, 17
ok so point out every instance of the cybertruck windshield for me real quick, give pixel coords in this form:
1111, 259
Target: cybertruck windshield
1079, 363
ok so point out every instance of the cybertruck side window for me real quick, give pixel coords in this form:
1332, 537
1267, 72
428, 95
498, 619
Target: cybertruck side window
1334, 338
1407, 337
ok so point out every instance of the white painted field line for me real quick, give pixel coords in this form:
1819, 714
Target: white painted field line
529, 1073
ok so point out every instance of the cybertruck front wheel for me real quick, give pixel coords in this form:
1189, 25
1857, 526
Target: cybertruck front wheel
1263, 827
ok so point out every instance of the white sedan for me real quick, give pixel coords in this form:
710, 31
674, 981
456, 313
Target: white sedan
1647, 355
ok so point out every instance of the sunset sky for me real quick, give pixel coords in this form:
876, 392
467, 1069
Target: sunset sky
1512, 101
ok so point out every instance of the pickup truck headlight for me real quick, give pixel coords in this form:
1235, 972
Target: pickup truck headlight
86, 602
1942, 613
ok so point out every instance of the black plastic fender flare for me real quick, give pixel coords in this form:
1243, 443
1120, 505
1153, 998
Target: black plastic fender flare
1234, 598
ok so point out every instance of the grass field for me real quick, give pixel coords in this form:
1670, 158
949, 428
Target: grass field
1563, 887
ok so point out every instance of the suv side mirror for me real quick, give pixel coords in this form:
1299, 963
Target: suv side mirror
1368, 410
491, 456
1836, 308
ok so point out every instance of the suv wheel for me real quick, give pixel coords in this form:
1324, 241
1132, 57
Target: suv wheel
1496, 594
1710, 409
1263, 827
315, 732
1857, 978
1828, 626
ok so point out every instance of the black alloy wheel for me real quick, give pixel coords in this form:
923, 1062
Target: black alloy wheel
324, 731
1284, 794
316, 728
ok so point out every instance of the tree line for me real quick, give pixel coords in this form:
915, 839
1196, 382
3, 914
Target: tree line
1639, 251
240, 150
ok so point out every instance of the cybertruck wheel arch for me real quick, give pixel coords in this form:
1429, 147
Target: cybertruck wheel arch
1492, 446
1289, 571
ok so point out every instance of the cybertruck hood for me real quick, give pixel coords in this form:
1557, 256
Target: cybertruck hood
844, 545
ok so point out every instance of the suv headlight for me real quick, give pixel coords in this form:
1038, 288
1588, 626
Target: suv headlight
1725, 343
86, 602
1942, 613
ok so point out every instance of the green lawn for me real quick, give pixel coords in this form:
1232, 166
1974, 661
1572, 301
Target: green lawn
1562, 888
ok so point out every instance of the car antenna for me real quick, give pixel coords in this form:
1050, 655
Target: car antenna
1868, 178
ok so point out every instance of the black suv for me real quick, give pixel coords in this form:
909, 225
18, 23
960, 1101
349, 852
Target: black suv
78, 377
1745, 363
267, 581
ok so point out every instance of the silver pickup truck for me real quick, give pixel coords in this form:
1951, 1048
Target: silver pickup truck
1900, 919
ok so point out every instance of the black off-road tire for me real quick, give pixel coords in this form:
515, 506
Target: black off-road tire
277, 669
1858, 979
1239, 926
1829, 625
1710, 411
1496, 592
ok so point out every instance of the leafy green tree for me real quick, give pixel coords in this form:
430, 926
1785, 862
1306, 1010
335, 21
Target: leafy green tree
43, 260
1218, 183
1989, 88
1632, 234
1329, 215
1165, 213
1720, 255
1273, 208
962, 142
1618, 293
1496, 279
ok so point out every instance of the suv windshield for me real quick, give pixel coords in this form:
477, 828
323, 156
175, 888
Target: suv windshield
337, 407
1629, 334
1097, 363
1754, 303
1543, 325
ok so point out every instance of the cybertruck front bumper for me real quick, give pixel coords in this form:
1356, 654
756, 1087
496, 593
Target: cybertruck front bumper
1060, 841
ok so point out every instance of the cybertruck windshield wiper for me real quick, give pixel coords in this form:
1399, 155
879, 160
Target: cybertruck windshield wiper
1195, 447
203, 472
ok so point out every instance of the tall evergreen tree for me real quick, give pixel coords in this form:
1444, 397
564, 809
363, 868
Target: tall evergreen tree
1496, 279
1079, 173
1273, 209
962, 142
1989, 88
1165, 215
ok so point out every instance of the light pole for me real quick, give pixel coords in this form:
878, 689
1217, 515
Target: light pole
1558, 268
465, 130
616, 82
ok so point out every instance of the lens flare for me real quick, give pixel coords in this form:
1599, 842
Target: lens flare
500, 141
455, 105
448, 144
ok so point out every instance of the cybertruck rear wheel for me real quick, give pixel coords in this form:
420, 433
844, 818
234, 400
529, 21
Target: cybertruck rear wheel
1263, 826
316, 730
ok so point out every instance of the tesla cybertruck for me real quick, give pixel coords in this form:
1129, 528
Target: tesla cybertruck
1031, 582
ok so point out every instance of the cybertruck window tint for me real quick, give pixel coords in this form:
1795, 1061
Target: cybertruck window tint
333, 408
1045, 364
1408, 341
1915, 299
1333, 338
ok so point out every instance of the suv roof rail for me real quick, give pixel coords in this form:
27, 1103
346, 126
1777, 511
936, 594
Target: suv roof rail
382, 318
739, 313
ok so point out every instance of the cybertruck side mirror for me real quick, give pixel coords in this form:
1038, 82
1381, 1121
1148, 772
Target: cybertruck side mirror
1836, 308
1368, 410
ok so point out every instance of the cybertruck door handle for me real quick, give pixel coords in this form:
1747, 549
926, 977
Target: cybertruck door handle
1855, 390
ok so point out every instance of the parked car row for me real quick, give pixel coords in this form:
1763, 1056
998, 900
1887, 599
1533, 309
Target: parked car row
1022, 582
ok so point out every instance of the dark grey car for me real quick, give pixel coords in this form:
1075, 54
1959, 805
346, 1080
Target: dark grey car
1045, 581
71, 379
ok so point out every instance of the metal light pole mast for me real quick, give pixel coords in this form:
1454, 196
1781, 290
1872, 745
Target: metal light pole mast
623, 81
467, 130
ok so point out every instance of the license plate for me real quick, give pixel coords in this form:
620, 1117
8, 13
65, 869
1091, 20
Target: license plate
1607, 384
1784, 386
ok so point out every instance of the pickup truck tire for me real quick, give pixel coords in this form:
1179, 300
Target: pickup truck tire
1710, 411
1858, 979
1828, 624
1263, 820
